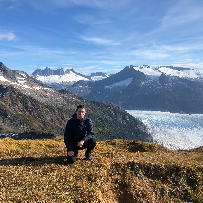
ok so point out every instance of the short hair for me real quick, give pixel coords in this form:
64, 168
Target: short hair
81, 106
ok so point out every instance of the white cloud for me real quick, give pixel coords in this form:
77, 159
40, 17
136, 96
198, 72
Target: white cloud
110, 71
68, 64
11, 7
10, 36
37, 50
32, 66
99, 41
86, 70
91, 20
93, 69
163, 51
196, 66
188, 60
90, 67
150, 54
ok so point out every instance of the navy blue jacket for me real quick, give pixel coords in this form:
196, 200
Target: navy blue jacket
77, 130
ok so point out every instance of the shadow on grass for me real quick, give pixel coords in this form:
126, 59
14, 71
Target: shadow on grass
29, 135
31, 161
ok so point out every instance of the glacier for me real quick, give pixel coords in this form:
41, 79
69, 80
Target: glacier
173, 130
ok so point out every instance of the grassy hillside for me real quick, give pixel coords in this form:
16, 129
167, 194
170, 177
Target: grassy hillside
122, 171
40, 116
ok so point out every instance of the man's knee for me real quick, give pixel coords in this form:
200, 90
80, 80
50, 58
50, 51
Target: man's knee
71, 159
91, 142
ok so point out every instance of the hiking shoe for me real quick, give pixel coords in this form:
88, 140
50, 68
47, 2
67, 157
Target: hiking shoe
88, 156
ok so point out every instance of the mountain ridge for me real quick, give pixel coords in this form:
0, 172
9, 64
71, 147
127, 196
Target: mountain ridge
60, 79
143, 88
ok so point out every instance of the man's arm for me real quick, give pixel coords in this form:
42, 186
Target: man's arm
90, 131
67, 134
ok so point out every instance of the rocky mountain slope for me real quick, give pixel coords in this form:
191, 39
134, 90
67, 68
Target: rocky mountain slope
31, 109
166, 88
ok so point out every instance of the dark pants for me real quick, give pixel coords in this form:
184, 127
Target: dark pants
89, 145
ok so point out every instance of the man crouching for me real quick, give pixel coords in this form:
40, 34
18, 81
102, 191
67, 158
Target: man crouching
79, 135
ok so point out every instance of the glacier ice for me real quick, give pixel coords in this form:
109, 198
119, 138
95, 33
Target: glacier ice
172, 130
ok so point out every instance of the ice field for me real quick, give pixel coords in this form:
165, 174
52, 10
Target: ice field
173, 130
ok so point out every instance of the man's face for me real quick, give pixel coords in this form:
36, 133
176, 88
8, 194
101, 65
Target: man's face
80, 113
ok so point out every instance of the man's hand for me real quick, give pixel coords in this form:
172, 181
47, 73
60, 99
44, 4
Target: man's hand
71, 153
80, 143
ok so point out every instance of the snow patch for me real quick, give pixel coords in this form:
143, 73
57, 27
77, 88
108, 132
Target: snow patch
147, 71
3, 79
21, 84
121, 83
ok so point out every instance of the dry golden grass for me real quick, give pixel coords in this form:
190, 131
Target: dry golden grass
122, 171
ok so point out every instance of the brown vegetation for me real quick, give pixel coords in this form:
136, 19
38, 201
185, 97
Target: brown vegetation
122, 171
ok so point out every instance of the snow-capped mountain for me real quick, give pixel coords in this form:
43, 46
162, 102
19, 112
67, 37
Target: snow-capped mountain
169, 71
60, 79
165, 88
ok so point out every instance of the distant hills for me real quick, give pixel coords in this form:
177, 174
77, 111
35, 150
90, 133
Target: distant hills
30, 109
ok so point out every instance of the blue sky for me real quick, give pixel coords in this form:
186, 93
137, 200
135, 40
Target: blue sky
100, 35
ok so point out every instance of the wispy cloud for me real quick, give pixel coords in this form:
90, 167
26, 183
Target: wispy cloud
92, 19
93, 69
112, 71
104, 4
196, 66
86, 70
32, 66
47, 5
32, 53
150, 54
99, 41
10, 36
164, 51
183, 12
68, 64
